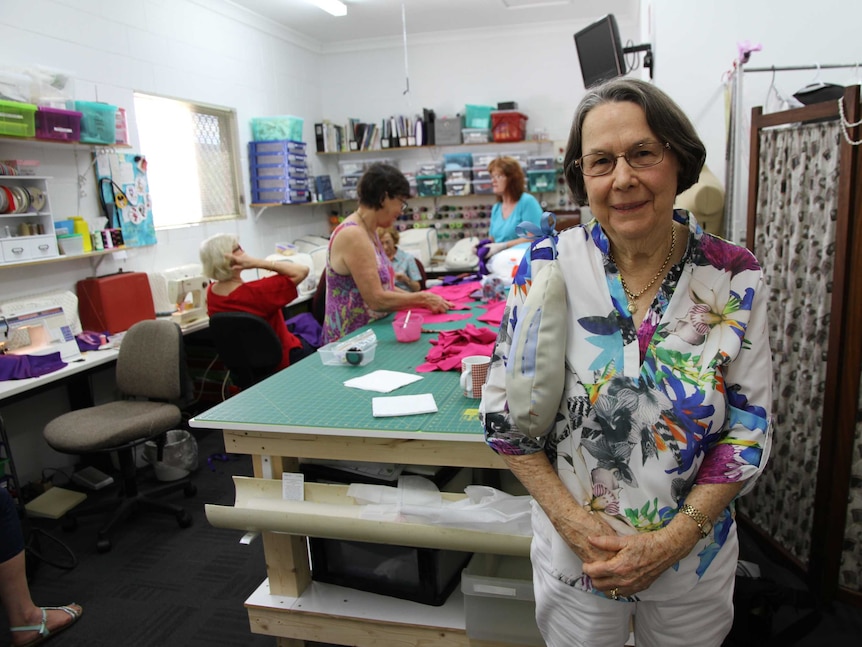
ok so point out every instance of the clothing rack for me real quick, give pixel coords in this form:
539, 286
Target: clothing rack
798, 68
736, 171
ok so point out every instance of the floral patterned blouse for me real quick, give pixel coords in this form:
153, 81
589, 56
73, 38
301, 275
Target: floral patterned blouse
647, 414
346, 310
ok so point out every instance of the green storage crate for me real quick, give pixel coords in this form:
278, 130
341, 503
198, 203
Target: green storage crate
17, 119
541, 181
98, 122
429, 185
478, 116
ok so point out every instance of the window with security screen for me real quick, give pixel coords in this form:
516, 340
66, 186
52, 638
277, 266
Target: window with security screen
192, 160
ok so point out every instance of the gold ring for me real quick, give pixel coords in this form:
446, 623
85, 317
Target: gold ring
614, 592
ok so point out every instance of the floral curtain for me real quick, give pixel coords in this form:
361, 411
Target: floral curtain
797, 200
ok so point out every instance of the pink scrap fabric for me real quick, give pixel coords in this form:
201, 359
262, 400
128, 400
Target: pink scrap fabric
493, 313
457, 293
451, 345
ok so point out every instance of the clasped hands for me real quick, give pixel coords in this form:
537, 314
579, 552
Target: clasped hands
622, 566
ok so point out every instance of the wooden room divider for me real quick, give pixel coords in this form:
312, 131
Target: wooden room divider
805, 227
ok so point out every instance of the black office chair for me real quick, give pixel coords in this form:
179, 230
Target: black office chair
247, 345
423, 276
318, 301
151, 375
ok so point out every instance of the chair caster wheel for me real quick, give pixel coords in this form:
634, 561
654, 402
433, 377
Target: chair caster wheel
190, 490
103, 545
68, 524
184, 519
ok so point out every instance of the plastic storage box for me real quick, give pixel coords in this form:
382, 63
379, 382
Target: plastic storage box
17, 119
351, 167
476, 135
280, 196
98, 122
477, 116
447, 131
542, 180
62, 125
457, 187
279, 170
276, 153
499, 604
508, 125
482, 187
277, 128
457, 161
425, 575
429, 185
429, 168
459, 174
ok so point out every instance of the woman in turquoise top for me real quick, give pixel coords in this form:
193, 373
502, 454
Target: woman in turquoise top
360, 283
515, 205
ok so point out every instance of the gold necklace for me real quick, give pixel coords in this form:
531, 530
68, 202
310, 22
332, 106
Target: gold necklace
631, 296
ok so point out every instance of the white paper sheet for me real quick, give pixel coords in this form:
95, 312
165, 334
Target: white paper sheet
382, 381
403, 405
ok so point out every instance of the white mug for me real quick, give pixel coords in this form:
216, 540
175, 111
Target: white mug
474, 372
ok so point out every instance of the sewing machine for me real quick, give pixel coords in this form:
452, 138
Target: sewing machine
189, 295
38, 332
180, 292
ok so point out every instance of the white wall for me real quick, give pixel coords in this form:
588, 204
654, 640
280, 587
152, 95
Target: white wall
696, 43
210, 52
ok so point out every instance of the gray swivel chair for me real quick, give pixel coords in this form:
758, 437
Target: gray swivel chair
150, 373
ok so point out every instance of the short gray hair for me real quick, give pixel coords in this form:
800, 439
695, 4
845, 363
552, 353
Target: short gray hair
215, 252
664, 117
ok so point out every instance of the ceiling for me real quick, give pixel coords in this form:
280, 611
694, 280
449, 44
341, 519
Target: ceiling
375, 19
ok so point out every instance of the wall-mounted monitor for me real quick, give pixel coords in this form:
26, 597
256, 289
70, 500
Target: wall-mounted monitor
600, 51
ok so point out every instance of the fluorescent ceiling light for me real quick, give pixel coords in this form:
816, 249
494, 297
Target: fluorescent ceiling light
531, 4
334, 7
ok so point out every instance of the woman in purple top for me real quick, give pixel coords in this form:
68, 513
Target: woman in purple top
360, 283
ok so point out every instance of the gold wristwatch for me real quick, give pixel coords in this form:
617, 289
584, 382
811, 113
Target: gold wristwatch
703, 522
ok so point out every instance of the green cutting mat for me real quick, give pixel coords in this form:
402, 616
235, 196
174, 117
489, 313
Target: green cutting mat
310, 395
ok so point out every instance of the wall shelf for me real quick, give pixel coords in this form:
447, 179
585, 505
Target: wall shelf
433, 146
8, 139
260, 207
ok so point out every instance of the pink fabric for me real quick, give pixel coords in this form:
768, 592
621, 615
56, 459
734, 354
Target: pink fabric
457, 293
451, 345
493, 313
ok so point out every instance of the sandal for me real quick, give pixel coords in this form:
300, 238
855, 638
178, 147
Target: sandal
74, 610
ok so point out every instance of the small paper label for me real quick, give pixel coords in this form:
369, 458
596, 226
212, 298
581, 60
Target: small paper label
292, 486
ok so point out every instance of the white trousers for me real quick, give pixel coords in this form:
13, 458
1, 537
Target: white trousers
568, 617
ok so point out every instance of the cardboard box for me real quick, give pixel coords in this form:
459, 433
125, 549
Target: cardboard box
113, 303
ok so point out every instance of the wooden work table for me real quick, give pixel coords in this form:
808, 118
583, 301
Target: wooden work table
306, 412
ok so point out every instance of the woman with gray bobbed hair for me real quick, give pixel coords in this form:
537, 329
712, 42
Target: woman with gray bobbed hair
224, 261
630, 389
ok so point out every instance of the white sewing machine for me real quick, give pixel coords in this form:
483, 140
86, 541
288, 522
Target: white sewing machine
180, 292
190, 296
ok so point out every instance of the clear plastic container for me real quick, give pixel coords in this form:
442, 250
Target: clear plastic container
353, 351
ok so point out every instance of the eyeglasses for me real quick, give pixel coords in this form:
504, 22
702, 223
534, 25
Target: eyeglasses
404, 205
641, 155
498, 176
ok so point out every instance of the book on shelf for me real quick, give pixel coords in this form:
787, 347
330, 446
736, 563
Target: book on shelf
395, 131
323, 188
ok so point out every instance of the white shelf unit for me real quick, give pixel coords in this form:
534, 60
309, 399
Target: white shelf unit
28, 236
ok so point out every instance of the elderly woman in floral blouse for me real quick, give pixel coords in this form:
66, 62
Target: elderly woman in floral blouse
662, 415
